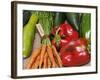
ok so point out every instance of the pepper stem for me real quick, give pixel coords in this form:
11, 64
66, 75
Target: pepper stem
57, 30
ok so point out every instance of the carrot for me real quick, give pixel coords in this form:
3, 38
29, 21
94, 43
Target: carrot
45, 60
35, 53
43, 49
56, 61
50, 54
57, 56
49, 63
36, 64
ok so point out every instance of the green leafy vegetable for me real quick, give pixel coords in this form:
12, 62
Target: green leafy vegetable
46, 20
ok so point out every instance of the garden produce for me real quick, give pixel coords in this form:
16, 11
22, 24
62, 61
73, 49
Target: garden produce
63, 39
26, 16
48, 56
33, 57
66, 30
74, 19
49, 63
36, 63
46, 21
44, 57
59, 18
64, 34
43, 50
56, 41
57, 56
28, 35
45, 65
82, 41
75, 54
85, 30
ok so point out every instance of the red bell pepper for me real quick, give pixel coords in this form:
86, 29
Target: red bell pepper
65, 41
66, 30
74, 54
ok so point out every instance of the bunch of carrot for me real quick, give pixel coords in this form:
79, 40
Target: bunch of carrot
44, 57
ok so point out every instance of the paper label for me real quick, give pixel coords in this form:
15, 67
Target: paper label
40, 29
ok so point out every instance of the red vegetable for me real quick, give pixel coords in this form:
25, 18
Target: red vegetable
82, 41
74, 35
65, 41
66, 30
53, 30
74, 54
53, 42
67, 33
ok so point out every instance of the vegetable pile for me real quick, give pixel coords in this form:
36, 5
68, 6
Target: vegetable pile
44, 57
65, 39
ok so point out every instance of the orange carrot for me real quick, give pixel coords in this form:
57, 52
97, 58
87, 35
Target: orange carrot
35, 53
50, 54
57, 56
43, 50
45, 60
49, 63
36, 64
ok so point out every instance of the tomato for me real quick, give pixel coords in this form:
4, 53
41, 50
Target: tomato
74, 54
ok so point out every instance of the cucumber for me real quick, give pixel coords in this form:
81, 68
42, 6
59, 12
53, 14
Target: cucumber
59, 18
29, 35
74, 20
85, 27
